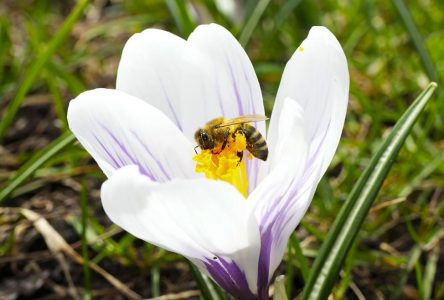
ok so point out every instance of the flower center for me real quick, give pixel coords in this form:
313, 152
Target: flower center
225, 164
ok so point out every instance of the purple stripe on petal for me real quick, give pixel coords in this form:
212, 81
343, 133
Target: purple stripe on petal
264, 263
252, 167
122, 163
124, 150
294, 188
145, 147
121, 146
112, 160
276, 218
230, 277
252, 108
221, 100
244, 106
236, 89
114, 156
170, 105
143, 169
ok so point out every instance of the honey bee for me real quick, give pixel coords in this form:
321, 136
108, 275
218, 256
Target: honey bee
214, 135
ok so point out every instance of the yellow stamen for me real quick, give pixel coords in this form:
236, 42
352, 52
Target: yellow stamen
224, 165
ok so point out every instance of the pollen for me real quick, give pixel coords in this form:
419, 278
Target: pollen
225, 164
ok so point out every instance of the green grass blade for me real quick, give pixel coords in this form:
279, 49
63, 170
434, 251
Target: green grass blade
73, 83
344, 231
419, 280
295, 252
179, 11
417, 40
207, 289
252, 22
289, 274
285, 11
346, 274
37, 66
415, 254
85, 254
35, 163
440, 291
299, 255
5, 45
430, 272
59, 105
155, 281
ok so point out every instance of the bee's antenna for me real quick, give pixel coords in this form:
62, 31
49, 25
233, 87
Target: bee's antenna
195, 148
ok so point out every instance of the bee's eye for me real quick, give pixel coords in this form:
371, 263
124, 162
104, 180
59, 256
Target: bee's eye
204, 136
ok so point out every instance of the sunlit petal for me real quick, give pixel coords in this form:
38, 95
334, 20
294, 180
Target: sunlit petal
120, 130
202, 219
150, 69
317, 78
276, 199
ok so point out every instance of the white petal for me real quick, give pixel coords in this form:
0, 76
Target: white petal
317, 78
118, 130
278, 202
219, 80
200, 218
150, 69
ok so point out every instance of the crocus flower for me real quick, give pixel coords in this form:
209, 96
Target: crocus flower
231, 219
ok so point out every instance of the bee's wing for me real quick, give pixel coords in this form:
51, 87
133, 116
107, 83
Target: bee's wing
242, 119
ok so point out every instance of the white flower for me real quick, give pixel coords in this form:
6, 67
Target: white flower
141, 135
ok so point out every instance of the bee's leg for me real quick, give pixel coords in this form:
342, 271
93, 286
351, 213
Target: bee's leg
195, 148
240, 154
226, 135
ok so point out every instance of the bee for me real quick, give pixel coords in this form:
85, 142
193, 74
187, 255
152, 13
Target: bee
214, 135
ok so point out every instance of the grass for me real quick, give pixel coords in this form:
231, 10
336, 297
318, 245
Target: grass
51, 52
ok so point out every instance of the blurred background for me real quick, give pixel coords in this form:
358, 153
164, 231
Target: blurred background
51, 219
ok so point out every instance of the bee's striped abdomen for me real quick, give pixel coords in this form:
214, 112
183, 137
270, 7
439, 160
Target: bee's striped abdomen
256, 143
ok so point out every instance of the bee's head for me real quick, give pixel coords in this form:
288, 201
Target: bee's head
204, 139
